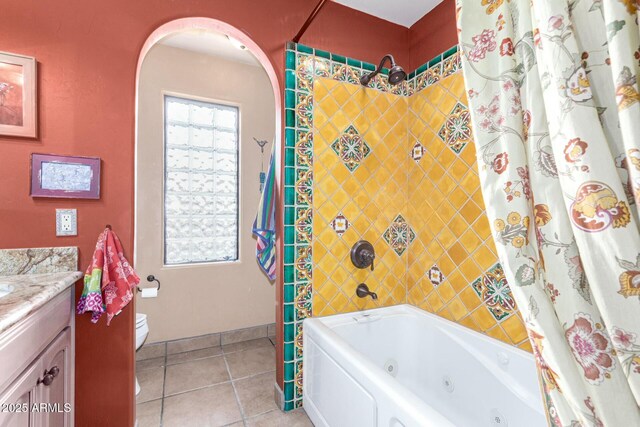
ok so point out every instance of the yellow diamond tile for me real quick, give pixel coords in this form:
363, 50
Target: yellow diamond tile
482, 228
340, 198
352, 108
468, 154
458, 169
340, 94
469, 323
328, 290
350, 185
339, 302
435, 249
444, 312
470, 183
470, 211
340, 120
435, 301
483, 318
497, 333
456, 85
361, 122
327, 211
327, 134
320, 118
526, 346
319, 252
470, 269
478, 198
351, 210
457, 309
446, 184
318, 304
457, 281
328, 237
327, 105
470, 299
514, 328
484, 258
320, 90
446, 238
361, 198
458, 225
339, 275
447, 103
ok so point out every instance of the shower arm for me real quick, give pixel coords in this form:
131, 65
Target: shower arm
366, 78
309, 20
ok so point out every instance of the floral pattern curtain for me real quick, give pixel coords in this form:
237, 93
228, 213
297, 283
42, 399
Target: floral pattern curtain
553, 93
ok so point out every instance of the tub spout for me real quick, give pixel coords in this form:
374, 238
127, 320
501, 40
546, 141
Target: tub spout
363, 291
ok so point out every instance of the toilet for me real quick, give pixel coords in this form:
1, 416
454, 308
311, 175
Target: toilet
142, 331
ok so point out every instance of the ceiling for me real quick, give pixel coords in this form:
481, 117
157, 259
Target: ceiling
401, 12
210, 43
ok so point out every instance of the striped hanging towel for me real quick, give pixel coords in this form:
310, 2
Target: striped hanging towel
264, 227
109, 280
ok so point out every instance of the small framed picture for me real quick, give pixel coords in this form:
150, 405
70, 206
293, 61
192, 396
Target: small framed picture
68, 177
18, 92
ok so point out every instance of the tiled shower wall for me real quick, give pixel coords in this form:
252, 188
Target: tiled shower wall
453, 268
359, 193
394, 165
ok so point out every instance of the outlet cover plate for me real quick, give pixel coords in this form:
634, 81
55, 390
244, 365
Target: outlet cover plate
66, 222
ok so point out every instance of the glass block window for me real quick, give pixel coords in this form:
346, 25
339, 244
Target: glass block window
201, 181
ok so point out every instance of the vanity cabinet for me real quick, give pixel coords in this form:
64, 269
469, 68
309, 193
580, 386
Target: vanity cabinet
37, 388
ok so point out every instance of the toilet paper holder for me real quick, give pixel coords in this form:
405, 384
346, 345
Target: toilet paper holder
150, 278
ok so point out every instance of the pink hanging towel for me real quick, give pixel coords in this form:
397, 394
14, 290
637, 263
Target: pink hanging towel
109, 280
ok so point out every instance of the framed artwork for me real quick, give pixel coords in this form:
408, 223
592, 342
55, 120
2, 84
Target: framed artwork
65, 176
17, 95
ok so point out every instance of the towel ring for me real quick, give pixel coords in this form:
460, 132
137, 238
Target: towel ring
150, 278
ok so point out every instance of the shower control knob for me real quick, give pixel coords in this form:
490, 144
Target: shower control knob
363, 254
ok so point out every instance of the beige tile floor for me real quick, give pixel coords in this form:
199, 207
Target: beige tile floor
229, 385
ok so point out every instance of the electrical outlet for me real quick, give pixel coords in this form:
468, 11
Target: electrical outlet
66, 222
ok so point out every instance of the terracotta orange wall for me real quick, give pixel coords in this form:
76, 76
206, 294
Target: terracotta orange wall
87, 53
433, 34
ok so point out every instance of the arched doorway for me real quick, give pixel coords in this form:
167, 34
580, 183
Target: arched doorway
192, 25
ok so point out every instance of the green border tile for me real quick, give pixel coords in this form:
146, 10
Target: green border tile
304, 49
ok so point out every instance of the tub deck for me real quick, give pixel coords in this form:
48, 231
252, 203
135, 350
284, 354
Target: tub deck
401, 366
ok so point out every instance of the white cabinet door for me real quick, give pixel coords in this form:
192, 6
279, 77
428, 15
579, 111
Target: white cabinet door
18, 399
54, 391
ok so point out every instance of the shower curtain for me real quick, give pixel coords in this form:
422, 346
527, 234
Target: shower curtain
553, 93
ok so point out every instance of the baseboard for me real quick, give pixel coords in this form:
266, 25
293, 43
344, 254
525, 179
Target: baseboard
278, 396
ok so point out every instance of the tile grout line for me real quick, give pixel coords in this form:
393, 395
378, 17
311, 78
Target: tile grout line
235, 392
216, 384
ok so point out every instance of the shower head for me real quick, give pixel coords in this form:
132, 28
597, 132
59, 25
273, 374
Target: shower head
396, 73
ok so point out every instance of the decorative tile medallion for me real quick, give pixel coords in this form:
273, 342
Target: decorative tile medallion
456, 130
340, 224
417, 152
399, 235
435, 275
493, 289
351, 148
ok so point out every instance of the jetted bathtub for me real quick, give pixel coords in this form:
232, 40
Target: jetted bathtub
401, 366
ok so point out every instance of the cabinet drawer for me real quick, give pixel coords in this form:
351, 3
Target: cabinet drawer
21, 344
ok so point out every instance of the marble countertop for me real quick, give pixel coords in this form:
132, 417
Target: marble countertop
31, 292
